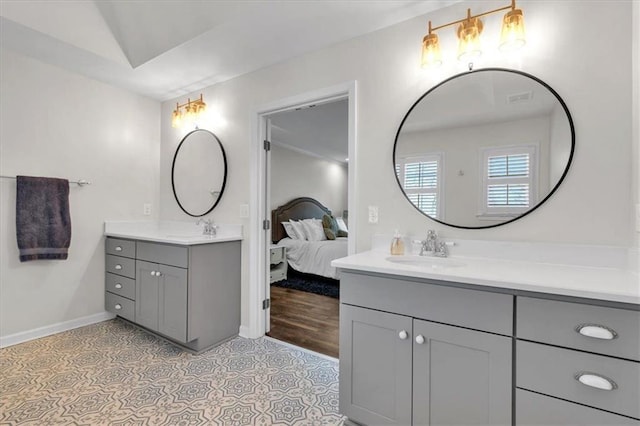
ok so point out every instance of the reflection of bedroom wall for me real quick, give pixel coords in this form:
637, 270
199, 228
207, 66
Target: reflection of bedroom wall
461, 151
294, 174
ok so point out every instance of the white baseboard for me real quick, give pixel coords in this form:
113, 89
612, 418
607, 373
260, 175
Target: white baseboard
36, 333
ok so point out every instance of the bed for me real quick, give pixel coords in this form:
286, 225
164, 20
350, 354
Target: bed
309, 257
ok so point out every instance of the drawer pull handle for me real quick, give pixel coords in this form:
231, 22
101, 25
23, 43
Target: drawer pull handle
118, 307
118, 286
596, 331
118, 267
420, 339
596, 381
403, 335
118, 248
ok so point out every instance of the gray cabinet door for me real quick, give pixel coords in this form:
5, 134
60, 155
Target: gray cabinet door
172, 316
460, 376
147, 295
375, 366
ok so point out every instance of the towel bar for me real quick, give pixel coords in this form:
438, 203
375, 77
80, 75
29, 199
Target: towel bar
79, 182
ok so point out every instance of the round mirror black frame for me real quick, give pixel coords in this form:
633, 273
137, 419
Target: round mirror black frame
224, 180
541, 202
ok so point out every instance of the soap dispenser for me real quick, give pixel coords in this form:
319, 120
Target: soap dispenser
397, 245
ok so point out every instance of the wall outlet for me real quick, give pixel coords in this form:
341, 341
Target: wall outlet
373, 214
146, 209
244, 210
638, 217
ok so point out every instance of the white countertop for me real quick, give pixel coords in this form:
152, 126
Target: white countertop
610, 284
171, 232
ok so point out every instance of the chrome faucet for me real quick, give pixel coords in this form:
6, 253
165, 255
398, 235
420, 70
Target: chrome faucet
431, 246
209, 228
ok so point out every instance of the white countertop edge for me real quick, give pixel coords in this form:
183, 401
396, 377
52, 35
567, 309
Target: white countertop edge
183, 242
359, 263
171, 232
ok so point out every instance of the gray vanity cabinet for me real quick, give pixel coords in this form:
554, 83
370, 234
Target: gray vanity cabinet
187, 294
460, 377
161, 299
400, 366
375, 366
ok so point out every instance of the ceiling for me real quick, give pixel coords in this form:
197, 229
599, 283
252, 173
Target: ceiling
318, 130
165, 49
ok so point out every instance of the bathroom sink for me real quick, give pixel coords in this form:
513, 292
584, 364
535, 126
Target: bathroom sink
426, 261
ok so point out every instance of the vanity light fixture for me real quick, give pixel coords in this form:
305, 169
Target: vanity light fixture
469, 30
188, 112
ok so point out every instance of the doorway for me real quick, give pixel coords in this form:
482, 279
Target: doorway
260, 232
307, 167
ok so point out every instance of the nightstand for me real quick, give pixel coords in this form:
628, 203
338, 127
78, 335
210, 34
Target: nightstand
278, 261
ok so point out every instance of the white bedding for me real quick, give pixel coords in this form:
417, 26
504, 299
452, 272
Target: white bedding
314, 257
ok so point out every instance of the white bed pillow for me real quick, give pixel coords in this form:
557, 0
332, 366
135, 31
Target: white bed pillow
341, 225
288, 228
298, 229
313, 229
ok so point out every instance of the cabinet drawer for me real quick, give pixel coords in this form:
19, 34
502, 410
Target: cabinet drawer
125, 248
163, 253
554, 371
558, 323
533, 409
479, 310
120, 306
277, 275
122, 286
121, 266
277, 255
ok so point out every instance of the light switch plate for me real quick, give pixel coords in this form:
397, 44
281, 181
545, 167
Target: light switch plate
244, 210
146, 209
373, 214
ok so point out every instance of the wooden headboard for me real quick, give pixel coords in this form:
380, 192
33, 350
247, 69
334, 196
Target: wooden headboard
296, 209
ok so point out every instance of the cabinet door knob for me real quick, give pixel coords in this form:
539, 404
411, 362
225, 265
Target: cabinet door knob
403, 335
118, 267
118, 286
596, 381
158, 274
118, 248
153, 273
420, 339
596, 331
118, 307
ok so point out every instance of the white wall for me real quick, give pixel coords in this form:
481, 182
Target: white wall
297, 175
54, 123
635, 114
592, 75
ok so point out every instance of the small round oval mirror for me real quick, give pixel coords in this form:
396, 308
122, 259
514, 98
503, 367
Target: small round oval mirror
199, 172
483, 148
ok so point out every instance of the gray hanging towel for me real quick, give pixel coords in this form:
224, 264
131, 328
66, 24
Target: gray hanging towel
43, 222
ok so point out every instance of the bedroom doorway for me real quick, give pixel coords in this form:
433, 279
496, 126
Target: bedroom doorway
307, 176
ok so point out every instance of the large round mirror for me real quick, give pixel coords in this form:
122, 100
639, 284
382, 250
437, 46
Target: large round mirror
199, 172
483, 148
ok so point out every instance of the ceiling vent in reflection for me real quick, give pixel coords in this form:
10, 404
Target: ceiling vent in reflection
517, 98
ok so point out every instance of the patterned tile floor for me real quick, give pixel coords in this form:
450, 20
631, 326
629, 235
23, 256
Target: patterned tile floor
111, 373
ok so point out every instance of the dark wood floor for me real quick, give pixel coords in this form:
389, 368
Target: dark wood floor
305, 319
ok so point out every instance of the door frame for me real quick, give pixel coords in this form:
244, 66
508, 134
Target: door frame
258, 240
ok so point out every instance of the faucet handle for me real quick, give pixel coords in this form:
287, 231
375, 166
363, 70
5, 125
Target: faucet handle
432, 234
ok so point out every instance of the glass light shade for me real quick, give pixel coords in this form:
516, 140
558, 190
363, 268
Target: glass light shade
431, 56
176, 119
469, 40
512, 35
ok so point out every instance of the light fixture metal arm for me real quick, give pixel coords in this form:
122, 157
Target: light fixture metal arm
512, 6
